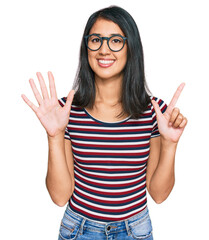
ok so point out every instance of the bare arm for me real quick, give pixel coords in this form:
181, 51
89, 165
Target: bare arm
60, 177
160, 167
54, 118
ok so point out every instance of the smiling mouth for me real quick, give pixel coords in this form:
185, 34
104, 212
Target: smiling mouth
105, 63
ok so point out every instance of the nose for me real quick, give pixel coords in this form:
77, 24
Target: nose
104, 48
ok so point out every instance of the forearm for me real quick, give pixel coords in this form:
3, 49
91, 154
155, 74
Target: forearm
163, 178
58, 179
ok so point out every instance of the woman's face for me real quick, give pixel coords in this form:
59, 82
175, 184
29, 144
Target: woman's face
105, 63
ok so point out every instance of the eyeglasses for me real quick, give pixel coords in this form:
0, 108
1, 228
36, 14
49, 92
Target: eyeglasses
115, 42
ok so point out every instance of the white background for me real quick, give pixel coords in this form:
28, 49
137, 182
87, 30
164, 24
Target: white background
43, 35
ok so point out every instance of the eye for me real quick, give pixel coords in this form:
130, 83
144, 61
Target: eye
116, 40
95, 39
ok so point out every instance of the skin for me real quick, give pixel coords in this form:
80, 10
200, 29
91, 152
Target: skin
160, 169
108, 81
54, 118
107, 75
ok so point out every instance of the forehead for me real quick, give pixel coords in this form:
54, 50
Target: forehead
105, 27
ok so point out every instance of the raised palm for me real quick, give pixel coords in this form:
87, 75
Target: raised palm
173, 131
52, 116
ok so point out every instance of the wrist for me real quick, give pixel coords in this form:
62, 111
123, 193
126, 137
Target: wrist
57, 137
168, 144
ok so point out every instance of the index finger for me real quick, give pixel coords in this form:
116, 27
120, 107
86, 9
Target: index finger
175, 97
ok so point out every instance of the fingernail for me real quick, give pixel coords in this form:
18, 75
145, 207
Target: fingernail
170, 124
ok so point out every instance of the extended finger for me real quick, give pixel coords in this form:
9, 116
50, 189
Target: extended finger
69, 100
175, 98
35, 91
52, 87
29, 103
42, 85
156, 108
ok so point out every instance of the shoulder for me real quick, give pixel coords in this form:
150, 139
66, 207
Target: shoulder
160, 102
62, 102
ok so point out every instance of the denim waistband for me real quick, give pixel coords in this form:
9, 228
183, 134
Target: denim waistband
105, 227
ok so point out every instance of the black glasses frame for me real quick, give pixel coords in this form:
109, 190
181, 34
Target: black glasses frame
104, 38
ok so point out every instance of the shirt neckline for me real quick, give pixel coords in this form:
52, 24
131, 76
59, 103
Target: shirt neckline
107, 123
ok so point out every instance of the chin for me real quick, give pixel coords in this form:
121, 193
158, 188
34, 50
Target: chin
107, 76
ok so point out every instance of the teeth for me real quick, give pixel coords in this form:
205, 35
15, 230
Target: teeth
106, 61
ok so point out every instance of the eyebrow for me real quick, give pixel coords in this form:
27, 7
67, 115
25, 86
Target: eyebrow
112, 34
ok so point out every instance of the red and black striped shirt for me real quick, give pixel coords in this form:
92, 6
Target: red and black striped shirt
110, 162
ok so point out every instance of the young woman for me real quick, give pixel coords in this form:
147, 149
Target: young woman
109, 140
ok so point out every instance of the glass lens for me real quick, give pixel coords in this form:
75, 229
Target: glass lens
94, 42
116, 43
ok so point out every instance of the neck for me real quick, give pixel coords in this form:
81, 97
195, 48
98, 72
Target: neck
108, 91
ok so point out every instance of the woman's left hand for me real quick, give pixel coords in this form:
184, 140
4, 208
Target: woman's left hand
171, 123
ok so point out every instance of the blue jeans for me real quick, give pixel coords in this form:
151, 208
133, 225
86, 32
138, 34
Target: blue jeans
74, 226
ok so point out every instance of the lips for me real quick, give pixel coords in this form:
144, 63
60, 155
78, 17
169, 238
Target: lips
105, 62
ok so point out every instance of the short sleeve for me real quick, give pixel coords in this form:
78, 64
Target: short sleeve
163, 106
62, 102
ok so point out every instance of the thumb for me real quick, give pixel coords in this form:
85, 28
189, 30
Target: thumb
69, 100
157, 108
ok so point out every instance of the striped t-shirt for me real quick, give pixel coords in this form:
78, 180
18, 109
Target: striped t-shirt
110, 162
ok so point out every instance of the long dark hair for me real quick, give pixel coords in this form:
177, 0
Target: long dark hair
134, 96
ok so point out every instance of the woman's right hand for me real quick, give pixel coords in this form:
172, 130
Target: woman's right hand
52, 116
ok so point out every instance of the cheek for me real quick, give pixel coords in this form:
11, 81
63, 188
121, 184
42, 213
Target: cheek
123, 55
123, 60
91, 59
